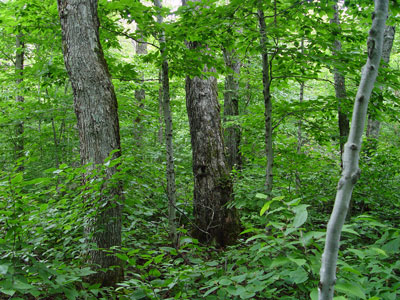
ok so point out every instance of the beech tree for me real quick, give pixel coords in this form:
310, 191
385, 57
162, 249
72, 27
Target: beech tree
351, 171
95, 106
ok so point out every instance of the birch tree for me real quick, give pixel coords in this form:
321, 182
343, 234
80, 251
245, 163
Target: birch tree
351, 171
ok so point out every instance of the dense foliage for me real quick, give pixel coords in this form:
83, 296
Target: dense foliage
44, 206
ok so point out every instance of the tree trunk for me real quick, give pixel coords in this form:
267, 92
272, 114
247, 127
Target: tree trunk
19, 72
267, 102
171, 188
351, 171
299, 126
231, 108
215, 219
96, 111
374, 125
340, 91
140, 95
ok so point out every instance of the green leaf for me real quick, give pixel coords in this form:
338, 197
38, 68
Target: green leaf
4, 269
301, 215
392, 246
298, 261
298, 276
7, 292
85, 272
346, 228
17, 178
19, 285
350, 288
261, 196
314, 294
225, 281
280, 261
210, 291
265, 207
239, 278
379, 251
71, 294
154, 273
268, 204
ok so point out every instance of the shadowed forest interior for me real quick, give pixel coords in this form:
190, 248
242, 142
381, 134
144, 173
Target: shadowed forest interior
203, 149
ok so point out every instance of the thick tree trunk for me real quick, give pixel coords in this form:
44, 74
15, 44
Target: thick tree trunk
213, 189
351, 171
374, 125
96, 111
267, 102
231, 108
19, 72
171, 188
215, 220
341, 94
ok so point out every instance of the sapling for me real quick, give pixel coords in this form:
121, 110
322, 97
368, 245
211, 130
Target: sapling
351, 171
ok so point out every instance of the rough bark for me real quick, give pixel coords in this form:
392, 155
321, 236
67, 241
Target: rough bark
340, 92
171, 188
351, 171
231, 109
373, 126
215, 220
19, 72
267, 102
95, 106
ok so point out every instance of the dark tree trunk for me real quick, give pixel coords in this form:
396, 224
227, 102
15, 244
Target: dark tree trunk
231, 108
213, 189
340, 91
166, 108
373, 127
269, 151
19, 72
96, 111
215, 219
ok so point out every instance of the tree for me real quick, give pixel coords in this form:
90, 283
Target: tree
373, 126
19, 72
267, 100
140, 93
340, 89
351, 171
96, 111
215, 218
231, 109
166, 108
